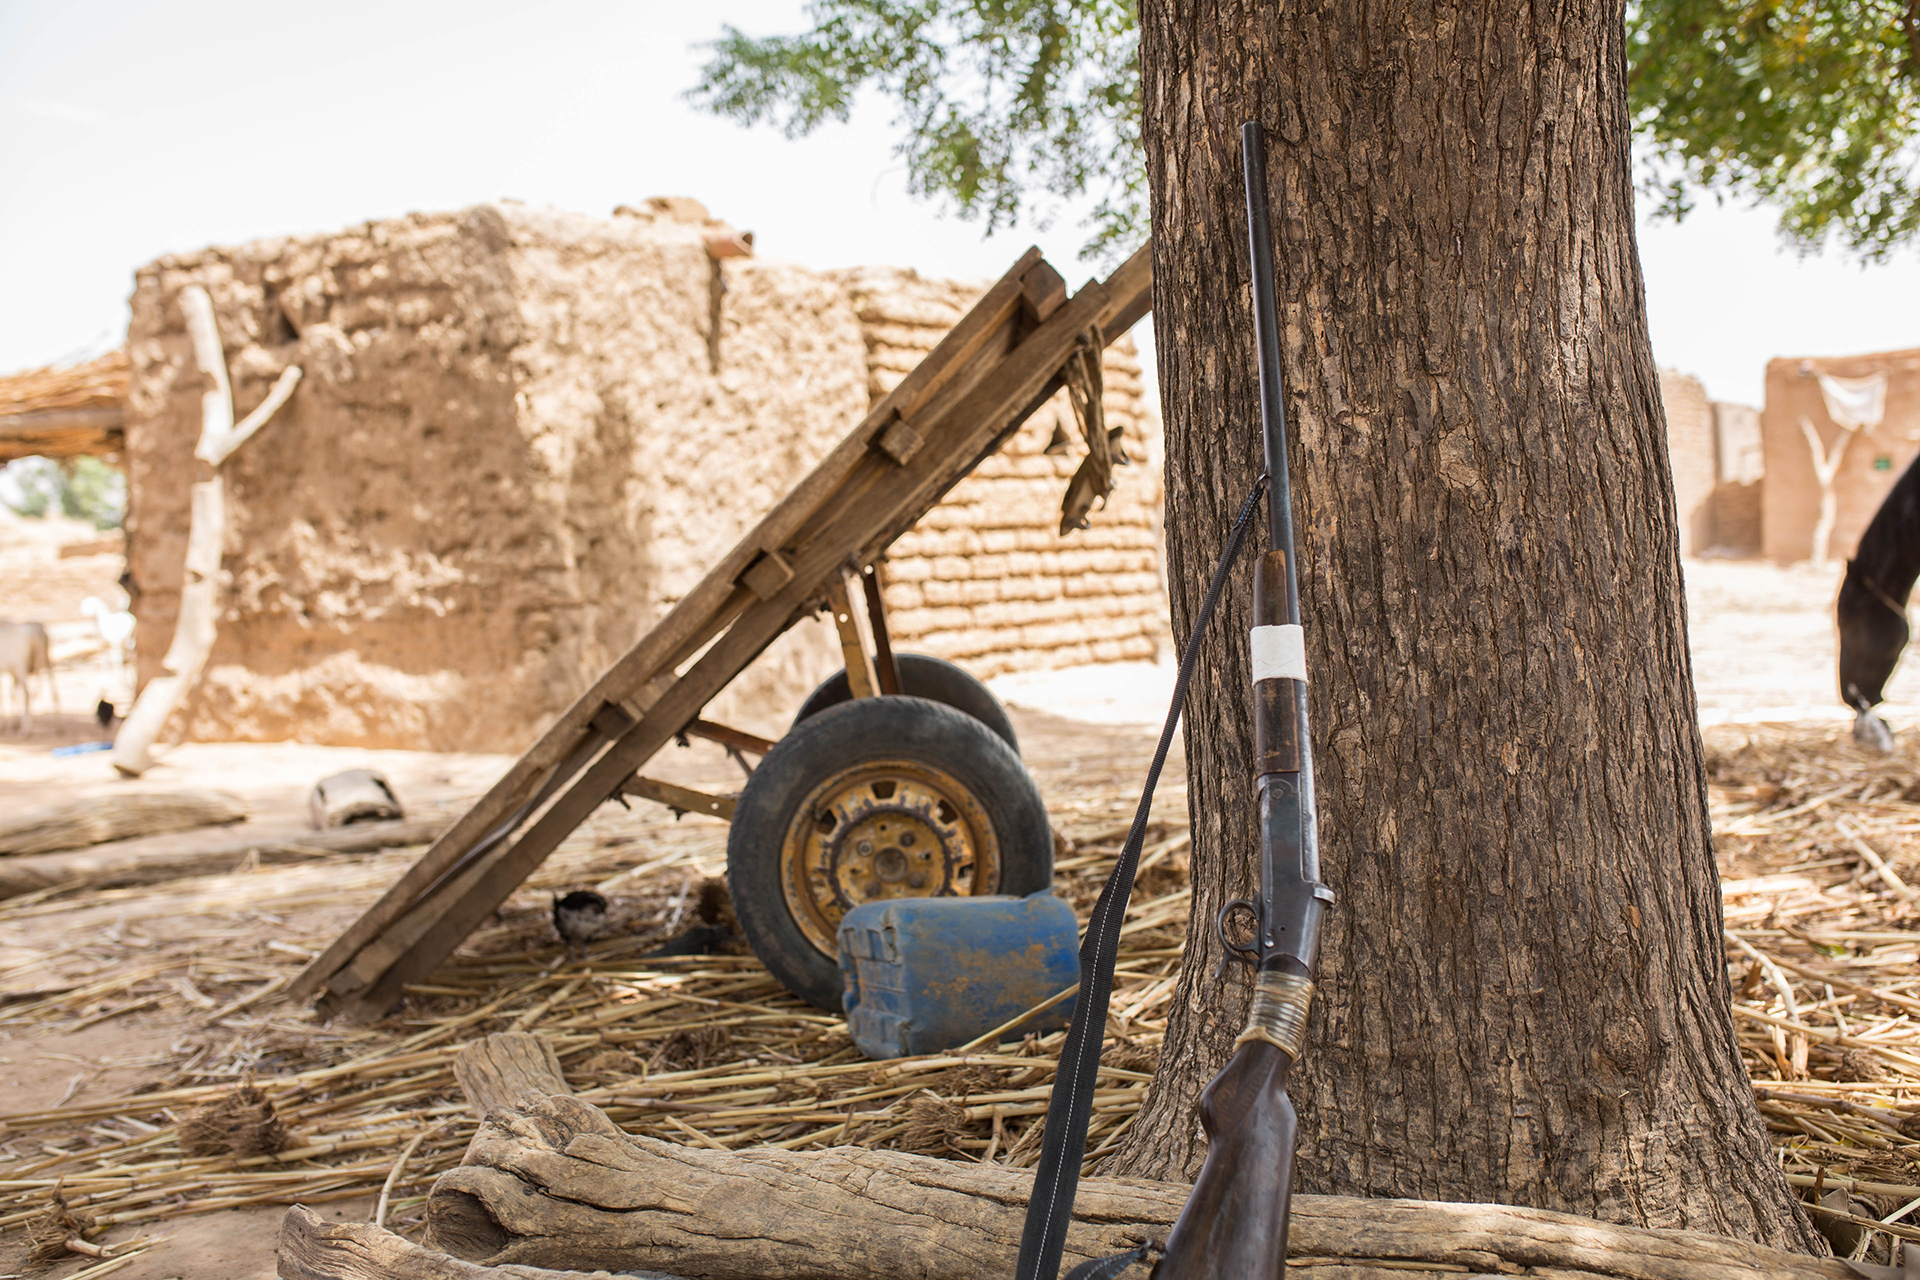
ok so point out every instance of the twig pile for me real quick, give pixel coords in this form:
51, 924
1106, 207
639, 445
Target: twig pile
1817, 851
1817, 846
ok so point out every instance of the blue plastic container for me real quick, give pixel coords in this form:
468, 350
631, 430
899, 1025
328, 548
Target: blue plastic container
929, 974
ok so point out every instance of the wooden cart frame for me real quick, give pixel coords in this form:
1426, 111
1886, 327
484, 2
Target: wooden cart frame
1019, 344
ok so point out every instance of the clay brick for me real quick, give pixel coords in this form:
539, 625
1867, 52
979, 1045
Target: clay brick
953, 568
925, 621
904, 595
938, 593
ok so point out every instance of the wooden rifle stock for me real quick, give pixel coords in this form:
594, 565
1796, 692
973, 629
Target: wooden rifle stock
1235, 1222
1234, 1225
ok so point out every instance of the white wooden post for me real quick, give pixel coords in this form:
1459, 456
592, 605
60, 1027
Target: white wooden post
206, 535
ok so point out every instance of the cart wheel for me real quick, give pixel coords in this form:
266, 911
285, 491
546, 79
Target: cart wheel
924, 676
872, 799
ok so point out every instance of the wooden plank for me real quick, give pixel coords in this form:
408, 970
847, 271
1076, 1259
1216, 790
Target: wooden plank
885, 669
1043, 291
856, 653
767, 575
1131, 286
514, 789
971, 428
727, 736
674, 796
62, 433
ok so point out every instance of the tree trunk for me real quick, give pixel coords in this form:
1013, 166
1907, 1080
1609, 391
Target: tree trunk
1522, 992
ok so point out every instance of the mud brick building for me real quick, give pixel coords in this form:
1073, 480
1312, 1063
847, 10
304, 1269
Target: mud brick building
1864, 411
522, 434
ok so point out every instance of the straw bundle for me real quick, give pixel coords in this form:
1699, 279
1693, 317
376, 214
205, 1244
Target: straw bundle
64, 412
100, 383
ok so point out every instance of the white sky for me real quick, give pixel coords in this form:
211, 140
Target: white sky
132, 130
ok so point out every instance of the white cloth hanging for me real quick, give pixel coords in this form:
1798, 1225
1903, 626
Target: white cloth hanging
1855, 402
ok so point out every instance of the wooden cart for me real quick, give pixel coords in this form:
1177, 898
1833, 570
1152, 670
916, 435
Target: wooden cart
1023, 341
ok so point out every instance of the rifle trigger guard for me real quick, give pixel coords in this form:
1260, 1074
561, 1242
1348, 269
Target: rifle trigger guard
1233, 951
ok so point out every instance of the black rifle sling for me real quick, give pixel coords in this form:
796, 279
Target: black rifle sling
1070, 1106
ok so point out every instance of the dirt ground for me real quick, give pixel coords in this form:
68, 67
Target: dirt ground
170, 985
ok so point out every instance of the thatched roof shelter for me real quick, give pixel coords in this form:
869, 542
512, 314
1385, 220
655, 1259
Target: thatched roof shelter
64, 412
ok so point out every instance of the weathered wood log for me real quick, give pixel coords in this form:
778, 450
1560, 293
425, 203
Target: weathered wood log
149, 861
92, 820
314, 1249
508, 1068
62, 433
554, 1183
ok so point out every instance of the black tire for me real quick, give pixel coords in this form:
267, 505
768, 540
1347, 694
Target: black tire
820, 799
923, 676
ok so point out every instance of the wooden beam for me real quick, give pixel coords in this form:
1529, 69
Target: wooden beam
726, 736
674, 796
62, 433
856, 648
885, 669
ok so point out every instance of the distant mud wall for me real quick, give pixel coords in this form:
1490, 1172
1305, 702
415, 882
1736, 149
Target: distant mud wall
1690, 448
521, 437
1869, 463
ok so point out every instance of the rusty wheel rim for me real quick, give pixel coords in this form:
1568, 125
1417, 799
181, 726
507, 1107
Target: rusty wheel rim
880, 830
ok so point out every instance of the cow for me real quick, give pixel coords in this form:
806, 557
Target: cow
1872, 607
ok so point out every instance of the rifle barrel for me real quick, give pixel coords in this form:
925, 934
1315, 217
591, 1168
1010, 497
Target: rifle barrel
1234, 1224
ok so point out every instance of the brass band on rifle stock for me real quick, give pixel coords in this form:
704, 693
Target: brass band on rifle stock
1279, 1011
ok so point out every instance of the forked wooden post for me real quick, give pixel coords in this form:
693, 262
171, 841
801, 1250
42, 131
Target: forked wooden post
960, 404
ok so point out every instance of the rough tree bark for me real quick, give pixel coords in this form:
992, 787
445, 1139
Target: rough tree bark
1523, 996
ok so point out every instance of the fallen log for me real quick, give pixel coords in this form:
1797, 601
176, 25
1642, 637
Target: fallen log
553, 1183
313, 1249
508, 1068
75, 824
152, 860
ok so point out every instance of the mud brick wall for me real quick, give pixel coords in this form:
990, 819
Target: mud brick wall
1790, 499
509, 454
521, 438
986, 579
1690, 447
1742, 479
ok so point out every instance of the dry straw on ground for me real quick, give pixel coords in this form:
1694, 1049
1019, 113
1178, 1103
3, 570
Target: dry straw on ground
1818, 849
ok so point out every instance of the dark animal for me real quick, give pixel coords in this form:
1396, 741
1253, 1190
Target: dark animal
1872, 608
103, 712
578, 918
713, 913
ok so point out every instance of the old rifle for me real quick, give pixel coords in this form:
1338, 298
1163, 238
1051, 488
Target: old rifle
1234, 1226
1235, 1222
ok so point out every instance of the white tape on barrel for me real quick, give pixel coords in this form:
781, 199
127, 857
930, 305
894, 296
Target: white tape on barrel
1279, 653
